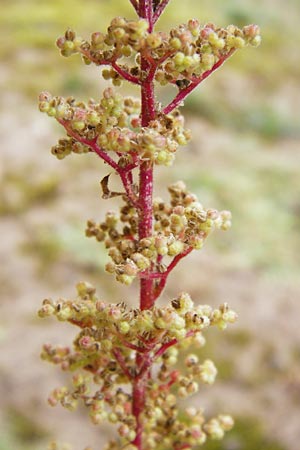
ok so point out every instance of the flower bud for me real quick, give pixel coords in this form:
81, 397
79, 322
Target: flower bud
182, 303
175, 248
256, 41
251, 31
208, 372
226, 422
125, 279
191, 360
154, 40
175, 43
78, 125
70, 35
214, 429
123, 327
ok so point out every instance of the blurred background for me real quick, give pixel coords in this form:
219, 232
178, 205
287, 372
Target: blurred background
244, 157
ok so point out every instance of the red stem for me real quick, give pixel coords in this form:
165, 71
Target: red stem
149, 361
146, 12
145, 225
138, 404
111, 62
123, 172
159, 10
146, 168
161, 285
185, 92
124, 74
121, 361
135, 4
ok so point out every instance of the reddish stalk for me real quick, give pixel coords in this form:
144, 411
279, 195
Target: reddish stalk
161, 285
159, 10
124, 74
122, 363
145, 224
146, 167
112, 62
194, 83
135, 5
123, 172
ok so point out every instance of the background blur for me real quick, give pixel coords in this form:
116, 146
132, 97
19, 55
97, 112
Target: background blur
244, 157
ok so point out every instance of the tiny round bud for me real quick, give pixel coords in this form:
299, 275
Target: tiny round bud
182, 392
124, 327
191, 360
226, 422
78, 125
154, 40
256, 41
175, 248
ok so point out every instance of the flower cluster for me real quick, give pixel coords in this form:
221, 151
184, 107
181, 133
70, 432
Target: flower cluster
113, 125
183, 54
195, 49
180, 226
116, 345
191, 428
105, 325
105, 348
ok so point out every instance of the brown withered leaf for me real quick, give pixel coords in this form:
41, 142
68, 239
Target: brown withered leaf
106, 193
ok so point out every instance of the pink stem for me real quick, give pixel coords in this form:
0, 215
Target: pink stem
135, 347
161, 285
159, 10
148, 363
121, 361
123, 172
146, 12
146, 168
124, 74
112, 62
138, 404
135, 4
145, 226
185, 92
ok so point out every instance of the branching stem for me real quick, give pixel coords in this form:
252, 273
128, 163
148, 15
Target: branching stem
92, 144
163, 279
135, 5
183, 93
122, 363
111, 62
159, 10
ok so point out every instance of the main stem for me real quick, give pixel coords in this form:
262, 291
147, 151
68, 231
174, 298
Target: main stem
145, 224
146, 167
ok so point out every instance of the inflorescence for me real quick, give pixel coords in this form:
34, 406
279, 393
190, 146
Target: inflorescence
184, 53
103, 361
125, 360
114, 125
180, 227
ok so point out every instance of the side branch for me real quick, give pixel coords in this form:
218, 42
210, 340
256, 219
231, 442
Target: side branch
135, 5
123, 73
169, 344
151, 360
194, 83
164, 277
90, 143
121, 361
159, 10
111, 62
122, 172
